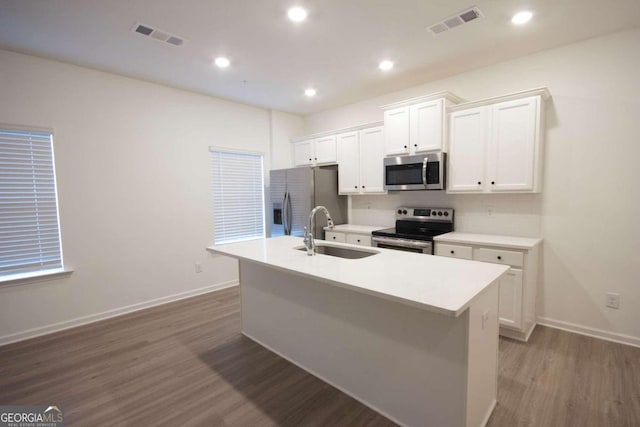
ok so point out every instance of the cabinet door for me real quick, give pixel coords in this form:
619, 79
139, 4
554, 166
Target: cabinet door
426, 125
511, 299
303, 153
371, 160
512, 145
326, 151
348, 163
468, 135
396, 134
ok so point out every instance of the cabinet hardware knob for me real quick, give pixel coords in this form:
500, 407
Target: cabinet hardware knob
499, 257
493, 182
453, 252
479, 182
363, 186
309, 158
334, 237
355, 186
358, 240
405, 146
415, 145
316, 158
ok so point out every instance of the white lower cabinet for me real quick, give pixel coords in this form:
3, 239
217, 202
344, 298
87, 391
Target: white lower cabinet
352, 238
517, 287
334, 236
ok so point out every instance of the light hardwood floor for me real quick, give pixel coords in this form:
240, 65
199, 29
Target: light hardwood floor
185, 363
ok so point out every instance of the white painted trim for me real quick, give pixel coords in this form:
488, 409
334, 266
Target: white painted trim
543, 92
455, 99
336, 132
489, 412
590, 332
35, 276
92, 318
347, 392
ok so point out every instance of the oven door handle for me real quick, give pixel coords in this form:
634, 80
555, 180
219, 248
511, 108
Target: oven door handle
424, 171
401, 242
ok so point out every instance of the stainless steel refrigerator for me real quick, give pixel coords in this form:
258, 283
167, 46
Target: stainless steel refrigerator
294, 192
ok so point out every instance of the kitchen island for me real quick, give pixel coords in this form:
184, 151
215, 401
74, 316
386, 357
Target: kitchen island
414, 337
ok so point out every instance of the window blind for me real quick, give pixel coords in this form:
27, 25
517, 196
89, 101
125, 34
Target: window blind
238, 196
29, 230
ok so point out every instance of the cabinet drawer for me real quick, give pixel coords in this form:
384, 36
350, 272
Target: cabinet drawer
333, 236
454, 251
500, 256
359, 239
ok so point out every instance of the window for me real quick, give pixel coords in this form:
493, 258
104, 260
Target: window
238, 196
29, 230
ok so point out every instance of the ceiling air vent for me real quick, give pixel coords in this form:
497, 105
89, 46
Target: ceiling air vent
157, 34
456, 20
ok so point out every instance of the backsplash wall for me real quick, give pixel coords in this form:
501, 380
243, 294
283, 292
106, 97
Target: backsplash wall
507, 214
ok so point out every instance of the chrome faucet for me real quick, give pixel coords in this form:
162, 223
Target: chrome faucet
308, 236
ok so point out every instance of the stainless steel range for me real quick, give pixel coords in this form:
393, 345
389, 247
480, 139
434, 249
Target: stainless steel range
414, 230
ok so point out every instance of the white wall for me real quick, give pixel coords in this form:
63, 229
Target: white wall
134, 188
589, 210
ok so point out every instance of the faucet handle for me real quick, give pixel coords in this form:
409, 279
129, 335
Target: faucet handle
330, 223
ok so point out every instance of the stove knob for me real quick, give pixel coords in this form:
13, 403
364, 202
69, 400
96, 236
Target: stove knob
399, 211
439, 213
404, 212
446, 213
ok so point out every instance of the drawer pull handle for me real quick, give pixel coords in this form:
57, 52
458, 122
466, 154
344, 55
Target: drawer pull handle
358, 240
499, 257
493, 183
453, 252
479, 182
405, 146
334, 237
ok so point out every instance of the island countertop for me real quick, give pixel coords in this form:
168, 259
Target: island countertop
440, 284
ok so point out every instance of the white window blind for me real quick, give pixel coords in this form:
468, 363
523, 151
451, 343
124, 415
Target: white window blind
238, 196
29, 231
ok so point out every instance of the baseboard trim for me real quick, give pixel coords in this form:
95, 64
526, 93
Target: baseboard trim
92, 318
590, 332
489, 412
331, 383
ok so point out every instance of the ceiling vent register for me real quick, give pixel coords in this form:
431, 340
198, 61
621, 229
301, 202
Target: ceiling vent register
157, 34
456, 20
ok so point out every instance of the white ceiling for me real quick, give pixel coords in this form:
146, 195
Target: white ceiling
273, 60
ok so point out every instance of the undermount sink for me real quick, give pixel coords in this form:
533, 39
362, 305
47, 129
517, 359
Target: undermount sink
341, 252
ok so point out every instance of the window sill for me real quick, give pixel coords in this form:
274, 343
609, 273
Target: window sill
38, 276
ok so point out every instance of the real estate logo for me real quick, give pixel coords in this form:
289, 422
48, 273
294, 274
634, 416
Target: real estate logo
31, 416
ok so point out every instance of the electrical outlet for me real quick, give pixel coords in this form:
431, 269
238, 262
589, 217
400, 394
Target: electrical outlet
198, 268
613, 300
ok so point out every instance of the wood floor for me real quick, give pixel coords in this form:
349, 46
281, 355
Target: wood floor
186, 364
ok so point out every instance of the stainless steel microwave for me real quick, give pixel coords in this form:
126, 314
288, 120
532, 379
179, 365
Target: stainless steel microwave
421, 172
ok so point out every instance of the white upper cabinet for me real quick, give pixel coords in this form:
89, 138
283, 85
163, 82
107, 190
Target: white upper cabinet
360, 161
426, 123
512, 145
371, 160
316, 151
417, 125
396, 123
467, 146
326, 150
303, 153
349, 163
495, 145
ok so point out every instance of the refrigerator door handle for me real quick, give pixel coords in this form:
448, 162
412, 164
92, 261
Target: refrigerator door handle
289, 214
284, 213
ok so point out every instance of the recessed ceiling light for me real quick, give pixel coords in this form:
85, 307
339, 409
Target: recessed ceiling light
297, 14
521, 18
222, 62
310, 92
386, 65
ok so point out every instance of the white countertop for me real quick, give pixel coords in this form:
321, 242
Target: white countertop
356, 229
440, 284
489, 240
